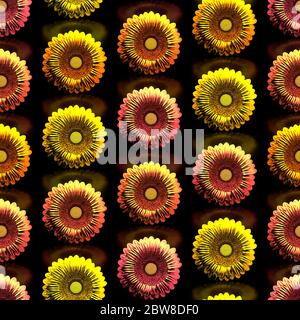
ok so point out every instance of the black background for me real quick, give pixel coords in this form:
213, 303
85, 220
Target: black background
191, 53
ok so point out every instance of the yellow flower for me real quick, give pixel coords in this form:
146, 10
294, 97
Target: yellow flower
14, 155
224, 26
224, 99
284, 155
224, 296
74, 8
74, 61
74, 278
74, 136
224, 249
149, 42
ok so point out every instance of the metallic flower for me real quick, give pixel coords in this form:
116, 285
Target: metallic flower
224, 249
224, 296
16, 14
14, 80
74, 136
149, 268
284, 80
149, 43
74, 61
149, 116
224, 26
284, 230
10, 289
74, 8
284, 155
14, 155
149, 193
74, 278
224, 99
224, 174
285, 15
14, 230
287, 289
74, 211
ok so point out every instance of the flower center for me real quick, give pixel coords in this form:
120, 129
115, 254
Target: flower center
151, 118
297, 81
150, 193
226, 25
297, 6
297, 156
3, 231
76, 62
76, 287
3, 6
76, 212
226, 175
151, 268
151, 43
3, 156
297, 231
76, 137
226, 100
3, 81
226, 250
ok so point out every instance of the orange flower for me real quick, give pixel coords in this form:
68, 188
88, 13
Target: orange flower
74, 211
74, 61
149, 43
149, 193
224, 26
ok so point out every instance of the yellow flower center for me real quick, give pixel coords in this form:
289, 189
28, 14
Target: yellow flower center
226, 250
297, 155
226, 25
151, 118
151, 268
76, 62
226, 175
297, 231
3, 156
76, 212
297, 81
151, 193
3, 231
3, 6
76, 137
226, 100
297, 6
151, 43
76, 287
3, 81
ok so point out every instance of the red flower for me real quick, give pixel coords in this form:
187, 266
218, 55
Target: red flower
149, 268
